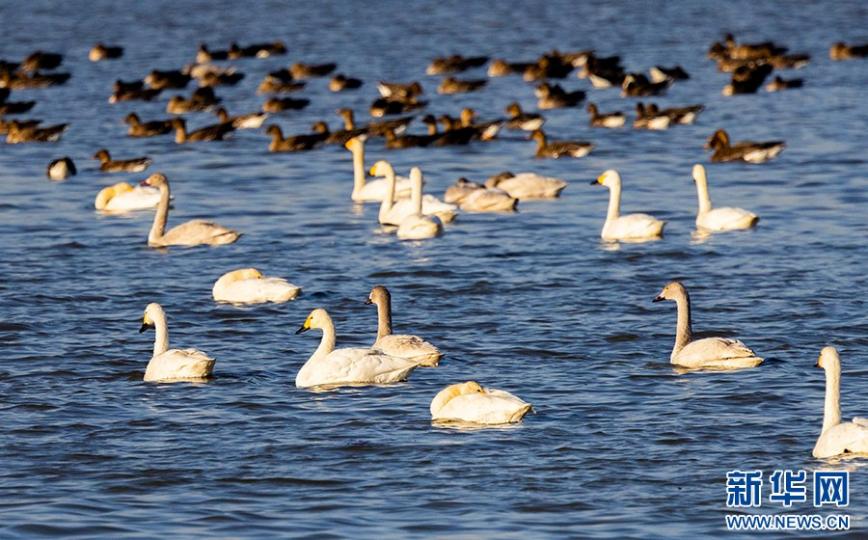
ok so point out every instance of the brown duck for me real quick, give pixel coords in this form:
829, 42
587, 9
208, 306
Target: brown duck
748, 151
214, 132
274, 105
18, 133
146, 129
559, 149
341, 82
296, 143
107, 164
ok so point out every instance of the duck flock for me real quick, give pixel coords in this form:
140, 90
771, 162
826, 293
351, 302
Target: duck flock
395, 118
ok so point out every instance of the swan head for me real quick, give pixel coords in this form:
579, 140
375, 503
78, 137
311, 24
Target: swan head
494, 181
381, 168
318, 318
108, 193
699, 173
829, 359
241, 274
156, 180
609, 178
356, 143
380, 296
152, 312
452, 391
672, 291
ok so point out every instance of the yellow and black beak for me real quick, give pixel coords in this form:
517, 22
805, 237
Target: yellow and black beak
658, 298
595, 182
304, 328
145, 326
369, 301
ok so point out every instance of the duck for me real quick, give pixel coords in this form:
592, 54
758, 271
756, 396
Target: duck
399, 345
473, 197
394, 141
274, 105
249, 286
710, 219
225, 77
454, 64
559, 149
706, 353
471, 403
6, 125
400, 91
629, 228
242, 121
107, 164
606, 120
484, 131
204, 55
137, 128
502, 68
295, 143
384, 107
748, 151
379, 128
416, 225
341, 82
214, 132
747, 79
518, 119
392, 211
547, 67
637, 85
172, 365
41, 60
123, 197
13, 107
101, 51
330, 367
336, 137
191, 233
677, 115
645, 119
61, 169
173, 78
555, 97
837, 437
660, 74
17, 133
202, 99
274, 85
301, 70
527, 186
256, 50
779, 84
132, 91
23, 81
842, 51
375, 190
452, 85
453, 132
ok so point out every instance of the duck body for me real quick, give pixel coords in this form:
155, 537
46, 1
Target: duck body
61, 169
559, 149
341, 83
748, 151
605, 120
107, 164
249, 286
273, 105
214, 132
451, 85
17, 135
472, 404
153, 128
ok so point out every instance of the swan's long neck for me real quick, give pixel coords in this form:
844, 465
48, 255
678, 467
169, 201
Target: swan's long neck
358, 169
327, 343
384, 317
161, 215
388, 200
702, 193
684, 327
832, 409
614, 210
161, 339
416, 194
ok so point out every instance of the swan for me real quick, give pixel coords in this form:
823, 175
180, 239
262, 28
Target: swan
718, 219
123, 197
191, 233
473, 197
471, 403
249, 286
403, 346
417, 226
838, 437
629, 228
168, 365
342, 367
712, 352
375, 190
393, 212
526, 186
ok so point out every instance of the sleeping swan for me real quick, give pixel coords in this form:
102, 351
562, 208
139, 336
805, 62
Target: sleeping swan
838, 437
473, 197
709, 353
249, 286
169, 365
403, 346
392, 212
343, 367
122, 197
191, 233
629, 228
471, 403
418, 226
527, 186
375, 190
710, 219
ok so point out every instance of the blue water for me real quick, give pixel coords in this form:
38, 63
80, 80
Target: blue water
620, 444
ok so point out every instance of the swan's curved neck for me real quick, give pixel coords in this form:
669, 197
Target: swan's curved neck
180, 135
358, 169
684, 326
614, 210
832, 408
702, 193
384, 317
161, 216
388, 200
416, 194
161, 339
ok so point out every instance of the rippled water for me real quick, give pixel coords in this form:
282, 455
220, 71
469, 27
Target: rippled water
620, 444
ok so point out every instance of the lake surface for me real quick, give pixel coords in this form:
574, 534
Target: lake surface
620, 445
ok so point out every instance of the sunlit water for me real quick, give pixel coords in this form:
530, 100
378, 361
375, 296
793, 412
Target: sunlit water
620, 445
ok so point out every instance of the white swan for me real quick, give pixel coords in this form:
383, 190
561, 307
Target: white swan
392, 212
191, 233
473, 197
527, 186
838, 437
718, 219
122, 197
403, 346
167, 364
710, 353
375, 190
249, 286
342, 367
418, 226
629, 228
471, 403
